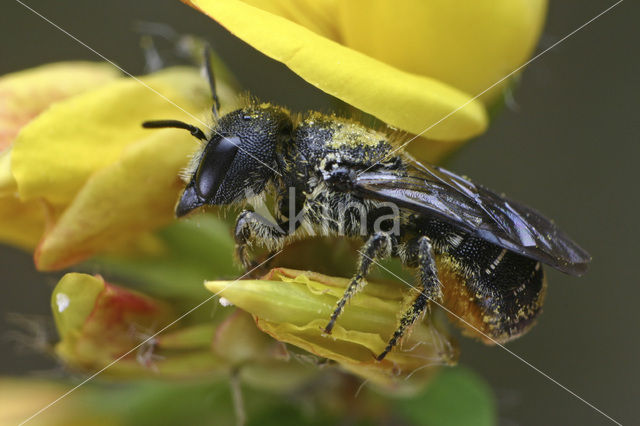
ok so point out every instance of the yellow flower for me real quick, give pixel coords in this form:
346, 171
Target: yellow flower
408, 63
23, 96
82, 176
293, 307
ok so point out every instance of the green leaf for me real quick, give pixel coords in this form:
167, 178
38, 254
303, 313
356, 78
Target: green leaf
456, 397
197, 403
196, 250
161, 403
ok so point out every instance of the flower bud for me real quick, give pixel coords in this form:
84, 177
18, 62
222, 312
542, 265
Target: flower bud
100, 323
294, 306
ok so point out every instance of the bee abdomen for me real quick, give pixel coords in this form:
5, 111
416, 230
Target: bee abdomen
498, 293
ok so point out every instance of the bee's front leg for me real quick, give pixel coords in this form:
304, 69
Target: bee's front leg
252, 228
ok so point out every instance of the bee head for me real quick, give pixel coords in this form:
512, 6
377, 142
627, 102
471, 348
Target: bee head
238, 159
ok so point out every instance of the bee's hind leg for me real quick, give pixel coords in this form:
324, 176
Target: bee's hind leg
379, 246
420, 253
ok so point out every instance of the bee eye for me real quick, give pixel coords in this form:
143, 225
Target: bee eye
214, 165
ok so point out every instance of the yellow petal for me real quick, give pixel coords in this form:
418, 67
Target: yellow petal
25, 94
57, 151
21, 224
468, 44
404, 100
317, 15
135, 194
8, 184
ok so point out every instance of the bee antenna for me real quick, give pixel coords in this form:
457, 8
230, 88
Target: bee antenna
208, 67
159, 124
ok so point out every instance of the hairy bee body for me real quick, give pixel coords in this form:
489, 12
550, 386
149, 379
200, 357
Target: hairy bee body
476, 253
496, 291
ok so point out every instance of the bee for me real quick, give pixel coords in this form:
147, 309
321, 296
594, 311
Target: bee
477, 253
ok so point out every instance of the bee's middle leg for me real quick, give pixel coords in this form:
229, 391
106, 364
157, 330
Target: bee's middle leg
379, 246
252, 228
420, 253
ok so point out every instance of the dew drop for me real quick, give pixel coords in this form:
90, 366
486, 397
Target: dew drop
62, 301
225, 302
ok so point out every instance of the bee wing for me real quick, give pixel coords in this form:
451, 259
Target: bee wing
476, 210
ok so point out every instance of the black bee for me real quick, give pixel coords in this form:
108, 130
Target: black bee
476, 252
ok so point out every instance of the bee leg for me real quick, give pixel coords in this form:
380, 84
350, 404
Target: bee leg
419, 252
182, 46
152, 59
150, 32
253, 228
208, 69
377, 247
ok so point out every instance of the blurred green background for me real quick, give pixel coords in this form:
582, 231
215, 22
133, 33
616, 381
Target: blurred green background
570, 148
